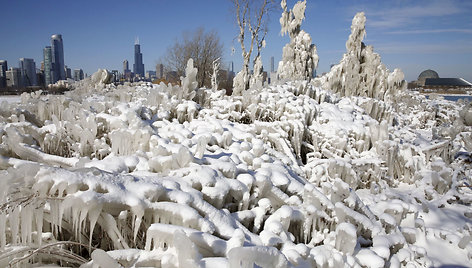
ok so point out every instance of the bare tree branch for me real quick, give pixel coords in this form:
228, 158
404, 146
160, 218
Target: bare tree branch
203, 47
251, 16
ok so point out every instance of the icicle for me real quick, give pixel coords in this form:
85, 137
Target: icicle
60, 214
3, 223
82, 217
93, 216
26, 216
75, 211
14, 219
138, 218
39, 215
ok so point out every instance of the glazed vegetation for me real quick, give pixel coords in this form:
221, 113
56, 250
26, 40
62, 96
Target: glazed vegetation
345, 170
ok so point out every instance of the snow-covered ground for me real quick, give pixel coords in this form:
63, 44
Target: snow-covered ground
349, 170
272, 178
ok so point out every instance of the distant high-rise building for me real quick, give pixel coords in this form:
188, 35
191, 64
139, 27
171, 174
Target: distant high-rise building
28, 72
78, 74
151, 75
159, 71
125, 66
116, 75
3, 74
271, 64
58, 57
138, 66
40, 78
14, 78
68, 72
49, 74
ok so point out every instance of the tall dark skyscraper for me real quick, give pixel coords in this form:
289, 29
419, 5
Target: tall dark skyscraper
28, 72
272, 64
58, 57
138, 66
49, 74
3, 73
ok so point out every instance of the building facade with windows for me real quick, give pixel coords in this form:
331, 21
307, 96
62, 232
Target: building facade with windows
78, 74
3, 73
49, 73
138, 66
14, 78
58, 57
28, 72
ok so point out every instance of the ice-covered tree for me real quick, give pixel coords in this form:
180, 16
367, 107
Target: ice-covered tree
189, 82
251, 18
214, 76
257, 78
299, 58
361, 72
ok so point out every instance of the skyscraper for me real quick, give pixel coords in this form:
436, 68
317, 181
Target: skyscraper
28, 72
138, 66
58, 57
78, 74
49, 74
125, 66
271, 64
159, 71
3, 73
14, 78
68, 72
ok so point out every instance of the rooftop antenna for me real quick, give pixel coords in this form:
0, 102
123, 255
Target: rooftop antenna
137, 41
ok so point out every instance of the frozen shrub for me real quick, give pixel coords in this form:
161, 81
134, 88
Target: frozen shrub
299, 57
189, 82
361, 72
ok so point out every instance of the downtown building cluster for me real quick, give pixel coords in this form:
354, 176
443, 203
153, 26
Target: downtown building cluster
160, 74
138, 72
27, 76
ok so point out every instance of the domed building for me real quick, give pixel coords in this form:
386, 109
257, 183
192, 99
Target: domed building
429, 81
426, 74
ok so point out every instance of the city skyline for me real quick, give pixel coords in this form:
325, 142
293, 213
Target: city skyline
413, 36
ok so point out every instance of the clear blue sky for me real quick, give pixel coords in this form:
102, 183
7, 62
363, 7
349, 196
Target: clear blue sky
411, 35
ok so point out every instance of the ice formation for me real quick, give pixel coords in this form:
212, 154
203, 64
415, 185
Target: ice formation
214, 76
291, 175
257, 78
299, 57
361, 72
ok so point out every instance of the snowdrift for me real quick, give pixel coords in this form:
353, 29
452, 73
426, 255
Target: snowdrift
332, 172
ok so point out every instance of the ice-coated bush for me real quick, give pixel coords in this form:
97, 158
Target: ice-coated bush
299, 57
360, 71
